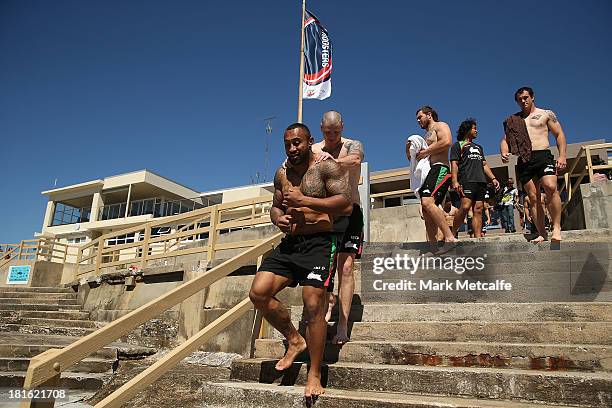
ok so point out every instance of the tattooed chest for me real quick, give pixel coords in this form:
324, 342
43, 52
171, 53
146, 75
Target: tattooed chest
310, 183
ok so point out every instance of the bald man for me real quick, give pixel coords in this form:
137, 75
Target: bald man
348, 153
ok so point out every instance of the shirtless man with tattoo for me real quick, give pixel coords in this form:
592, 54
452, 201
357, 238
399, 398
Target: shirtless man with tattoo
348, 153
306, 197
541, 170
435, 186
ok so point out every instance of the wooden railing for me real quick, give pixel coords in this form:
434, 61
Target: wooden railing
588, 169
199, 232
48, 249
45, 369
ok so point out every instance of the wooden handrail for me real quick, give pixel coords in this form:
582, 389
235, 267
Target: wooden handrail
588, 169
160, 367
219, 217
51, 364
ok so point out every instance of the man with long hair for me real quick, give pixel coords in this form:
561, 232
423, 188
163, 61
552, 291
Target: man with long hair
469, 175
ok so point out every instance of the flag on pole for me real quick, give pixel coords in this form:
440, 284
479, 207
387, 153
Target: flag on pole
318, 59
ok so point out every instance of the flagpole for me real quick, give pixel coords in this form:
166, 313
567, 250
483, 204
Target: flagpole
300, 89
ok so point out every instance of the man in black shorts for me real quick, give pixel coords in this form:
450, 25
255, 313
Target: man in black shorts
348, 153
306, 197
469, 174
526, 135
435, 185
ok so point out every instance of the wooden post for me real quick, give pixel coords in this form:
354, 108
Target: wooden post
20, 250
145, 246
258, 320
589, 163
37, 250
212, 236
301, 82
51, 383
99, 256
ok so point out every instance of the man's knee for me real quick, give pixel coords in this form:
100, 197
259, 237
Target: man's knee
345, 265
428, 203
478, 208
550, 188
259, 299
314, 306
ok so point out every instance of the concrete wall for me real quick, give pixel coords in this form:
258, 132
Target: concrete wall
42, 273
397, 224
597, 204
591, 207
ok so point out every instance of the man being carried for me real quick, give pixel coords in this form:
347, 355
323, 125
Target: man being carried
435, 186
348, 153
526, 135
306, 196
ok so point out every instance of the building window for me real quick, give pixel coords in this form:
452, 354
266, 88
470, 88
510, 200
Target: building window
66, 214
121, 239
76, 240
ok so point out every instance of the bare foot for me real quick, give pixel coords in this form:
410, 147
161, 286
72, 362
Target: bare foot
340, 339
313, 387
538, 239
331, 302
294, 349
448, 245
556, 236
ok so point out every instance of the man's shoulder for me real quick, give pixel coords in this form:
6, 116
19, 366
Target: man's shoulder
317, 147
326, 167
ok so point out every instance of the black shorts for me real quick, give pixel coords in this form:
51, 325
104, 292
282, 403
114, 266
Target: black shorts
436, 183
474, 191
308, 260
350, 239
542, 163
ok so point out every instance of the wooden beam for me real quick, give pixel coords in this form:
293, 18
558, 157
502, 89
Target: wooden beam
124, 393
41, 370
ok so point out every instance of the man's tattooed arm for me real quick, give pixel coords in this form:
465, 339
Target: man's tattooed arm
354, 154
551, 116
278, 209
334, 183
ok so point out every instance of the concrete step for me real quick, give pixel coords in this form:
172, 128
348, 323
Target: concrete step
88, 365
489, 312
38, 307
37, 301
47, 289
526, 356
28, 345
37, 295
257, 395
49, 322
68, 380
506, 332
571, 388
45, 314
52, 330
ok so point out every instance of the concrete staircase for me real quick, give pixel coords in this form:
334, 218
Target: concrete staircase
35, 319
547, 343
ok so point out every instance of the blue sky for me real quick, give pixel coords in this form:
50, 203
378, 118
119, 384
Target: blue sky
92, 89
